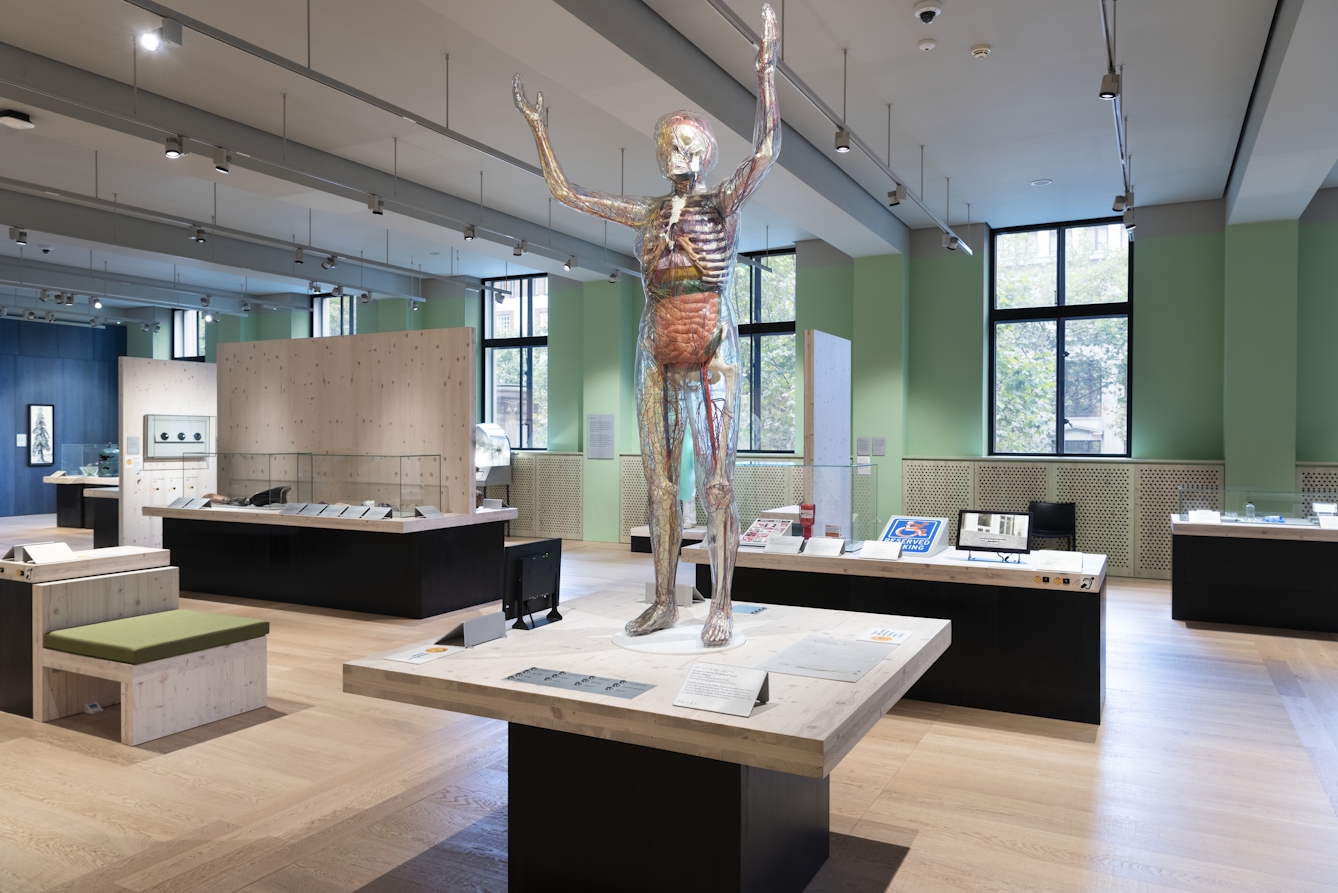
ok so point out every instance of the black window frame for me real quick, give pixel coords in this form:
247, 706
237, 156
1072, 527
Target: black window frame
179, 317
527, 359
750, 333
348, 309
1059, 312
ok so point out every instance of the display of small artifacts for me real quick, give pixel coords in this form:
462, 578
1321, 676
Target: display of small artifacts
687, 364
41, 434
757, 534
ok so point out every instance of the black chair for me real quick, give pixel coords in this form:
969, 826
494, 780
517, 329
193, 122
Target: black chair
1054, 520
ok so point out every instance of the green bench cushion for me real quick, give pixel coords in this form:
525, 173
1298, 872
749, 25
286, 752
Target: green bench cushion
149, 637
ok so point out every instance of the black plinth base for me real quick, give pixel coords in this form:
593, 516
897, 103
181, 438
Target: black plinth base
70, 506
105, 517
16, 648
1032, 651
402, 574
1287, 584
594, 815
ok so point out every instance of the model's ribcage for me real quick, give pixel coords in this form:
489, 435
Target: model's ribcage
685, 280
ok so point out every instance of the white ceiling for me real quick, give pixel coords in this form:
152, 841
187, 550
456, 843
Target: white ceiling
1028, 111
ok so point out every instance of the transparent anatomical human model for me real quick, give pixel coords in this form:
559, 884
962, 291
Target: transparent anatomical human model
687, 353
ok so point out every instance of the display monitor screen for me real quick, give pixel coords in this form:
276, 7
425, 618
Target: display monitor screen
993, 531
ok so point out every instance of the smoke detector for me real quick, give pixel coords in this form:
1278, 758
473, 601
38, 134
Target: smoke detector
927, 44
980, 51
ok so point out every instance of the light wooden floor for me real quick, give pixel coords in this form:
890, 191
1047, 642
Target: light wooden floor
1216, 770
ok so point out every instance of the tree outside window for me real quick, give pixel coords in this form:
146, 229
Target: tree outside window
515, 358
1059, 340
764, 307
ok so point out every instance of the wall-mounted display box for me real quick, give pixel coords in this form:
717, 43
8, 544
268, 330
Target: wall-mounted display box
173, 436
270, 480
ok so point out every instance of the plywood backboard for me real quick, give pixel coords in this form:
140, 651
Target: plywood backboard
392, 394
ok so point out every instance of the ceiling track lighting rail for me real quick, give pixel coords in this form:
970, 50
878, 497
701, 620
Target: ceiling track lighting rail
807, 92
1112, 88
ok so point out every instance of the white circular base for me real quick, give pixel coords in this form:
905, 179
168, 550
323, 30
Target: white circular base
686, 638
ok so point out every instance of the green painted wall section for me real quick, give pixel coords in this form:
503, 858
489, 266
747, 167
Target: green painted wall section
945, 404
609, 316
1177, 347
1317, 333
878, 360
566, 368
281, 324
1260, 354
148, 345
824, 301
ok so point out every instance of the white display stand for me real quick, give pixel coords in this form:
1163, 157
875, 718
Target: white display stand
827, 431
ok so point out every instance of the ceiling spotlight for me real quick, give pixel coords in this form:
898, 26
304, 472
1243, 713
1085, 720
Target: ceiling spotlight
18, 235
198, 235
980, 51
16, 120
174, 146
97, 303
927, 44
330, 262
209, 317
928, 10
843, 141
521, 247
169, 33
42, 296
413, 305
375, 204
337, 291
366, 297
1118, 204
157, 327
571, 262
60, 297
246, 306
1042, 182
1129, 199
204, 302
297, 257
950, 241
615, 275
93, 322
50, 316
1129, 223
469, 233
222, 160
1110, 85
144, 327
30, 315
896, 196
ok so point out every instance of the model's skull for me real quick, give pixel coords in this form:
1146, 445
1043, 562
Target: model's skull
684, 145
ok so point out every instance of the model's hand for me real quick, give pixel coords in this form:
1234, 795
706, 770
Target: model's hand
533, 113
766, 53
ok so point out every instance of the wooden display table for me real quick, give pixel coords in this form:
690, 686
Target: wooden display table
595, 779
70, 497
1255, 574
405, 567
1025, 641
102, 509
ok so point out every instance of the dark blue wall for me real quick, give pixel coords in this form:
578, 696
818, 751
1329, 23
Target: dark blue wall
74, 370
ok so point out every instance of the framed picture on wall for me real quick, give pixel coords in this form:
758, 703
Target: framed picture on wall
41, 434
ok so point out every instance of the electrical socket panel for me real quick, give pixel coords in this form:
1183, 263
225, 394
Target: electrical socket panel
174, 436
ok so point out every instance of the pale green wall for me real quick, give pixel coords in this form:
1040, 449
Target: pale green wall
1317, 334
566, 365
945, 404
1177, 346
1259, 384
878, 359
609, 315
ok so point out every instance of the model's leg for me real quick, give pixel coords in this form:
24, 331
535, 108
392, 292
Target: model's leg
713, 411
660, 422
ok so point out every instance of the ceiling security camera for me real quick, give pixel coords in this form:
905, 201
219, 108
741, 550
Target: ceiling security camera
928, 10
46, 249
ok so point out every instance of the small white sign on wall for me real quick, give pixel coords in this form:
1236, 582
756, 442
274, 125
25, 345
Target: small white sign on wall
20, 440
599, 437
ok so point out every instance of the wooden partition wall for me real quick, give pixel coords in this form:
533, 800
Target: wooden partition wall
397, 393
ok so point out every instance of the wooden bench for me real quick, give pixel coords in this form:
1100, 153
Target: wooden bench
169, 669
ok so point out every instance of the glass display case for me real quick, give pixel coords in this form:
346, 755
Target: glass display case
845, 496
492, 455
87, 459
1259, 506
270, 480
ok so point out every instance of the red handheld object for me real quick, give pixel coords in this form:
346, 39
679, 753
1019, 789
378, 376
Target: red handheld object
806, 518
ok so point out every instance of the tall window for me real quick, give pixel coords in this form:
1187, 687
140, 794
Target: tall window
764, 309
1059, 340
515, 359
334, 315
188, 335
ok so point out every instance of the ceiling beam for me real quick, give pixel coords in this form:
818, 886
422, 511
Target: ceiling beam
85, 96
641, 33
1289, 141
42, 214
